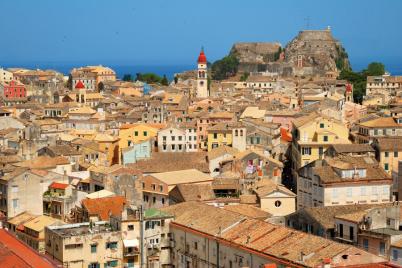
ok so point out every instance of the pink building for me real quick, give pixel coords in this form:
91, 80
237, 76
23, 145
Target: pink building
14, 89
283, 117
353, 112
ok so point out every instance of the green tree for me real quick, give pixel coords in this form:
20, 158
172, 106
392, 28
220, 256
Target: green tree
138, 77
101, 87
374, 69
164, 80
359, 79
70, 82
244, 76
224, 68
127, 78
149, 78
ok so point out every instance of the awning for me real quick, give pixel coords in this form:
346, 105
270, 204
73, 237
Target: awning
130, 243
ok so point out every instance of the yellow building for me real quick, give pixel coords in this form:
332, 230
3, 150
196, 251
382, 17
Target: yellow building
229, 134
33, 231
85, 244
109, 144
219, 135
312, 135
389, 153
131, 134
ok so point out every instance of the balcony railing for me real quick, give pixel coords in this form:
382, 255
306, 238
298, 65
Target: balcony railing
132, 251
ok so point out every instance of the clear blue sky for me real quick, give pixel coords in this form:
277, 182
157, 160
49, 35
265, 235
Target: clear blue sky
172, 32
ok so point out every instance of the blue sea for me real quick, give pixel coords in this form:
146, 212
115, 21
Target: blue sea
394, 67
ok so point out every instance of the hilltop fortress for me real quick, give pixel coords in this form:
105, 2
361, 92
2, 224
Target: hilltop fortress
311, 52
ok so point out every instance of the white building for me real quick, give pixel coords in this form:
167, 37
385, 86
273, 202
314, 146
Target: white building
6, 76
172, 139
343, 180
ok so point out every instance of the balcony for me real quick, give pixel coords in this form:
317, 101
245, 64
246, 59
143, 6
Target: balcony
131, 252
167, 243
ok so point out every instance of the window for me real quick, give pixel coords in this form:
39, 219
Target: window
130, 227
153, 187
111, 263
382, 248
15, 203
180, 147
306, 150
340, 230
386, 166
164, 147
136, 133
163, 200
173, 147
180, 138
386, 154
394, 255
160, 188
195, 245
395, 154
111, 245
325, 138
363, 191
334, 193
278, 203
374, 190
93, 248
215, 135
365, 244
94, 265
321, 125
385, 190
145, 133
164, 138
351, 233
320, 151
349, 192
173, 138
154, 199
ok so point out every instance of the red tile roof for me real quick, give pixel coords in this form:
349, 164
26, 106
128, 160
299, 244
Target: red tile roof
103, 207
14, 253
285, 135
57, 185
79, 85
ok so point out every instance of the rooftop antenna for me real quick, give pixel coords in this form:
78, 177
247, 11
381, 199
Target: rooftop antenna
307, 20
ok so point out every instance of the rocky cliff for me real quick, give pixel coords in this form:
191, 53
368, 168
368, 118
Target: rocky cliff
311, 52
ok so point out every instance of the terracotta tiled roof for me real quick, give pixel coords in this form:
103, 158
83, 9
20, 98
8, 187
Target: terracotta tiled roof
14, 253
57, 185
103, 207
248, 211
273, 241
381, 122
164, 162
